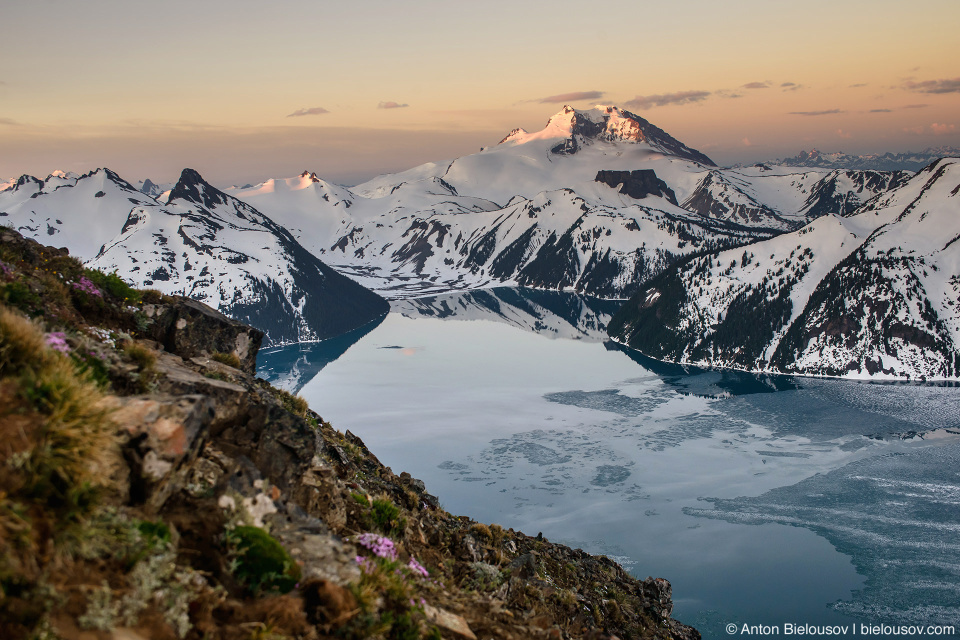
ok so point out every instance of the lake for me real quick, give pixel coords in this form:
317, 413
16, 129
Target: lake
763, 499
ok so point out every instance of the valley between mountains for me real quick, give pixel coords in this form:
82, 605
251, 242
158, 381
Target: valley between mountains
814, 270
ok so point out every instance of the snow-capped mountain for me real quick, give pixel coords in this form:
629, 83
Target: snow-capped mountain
599, 201
79, 212
908, 161
873, 294
209, 246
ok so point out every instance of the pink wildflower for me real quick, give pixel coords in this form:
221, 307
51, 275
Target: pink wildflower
58, 341
86, 285
418, 568
380, 546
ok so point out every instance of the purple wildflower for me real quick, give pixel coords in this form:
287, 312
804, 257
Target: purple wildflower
418, 568
366, 564
380, 546
86, 285
6, 270
58, 341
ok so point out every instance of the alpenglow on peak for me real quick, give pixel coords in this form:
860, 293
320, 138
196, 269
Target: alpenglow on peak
605, 123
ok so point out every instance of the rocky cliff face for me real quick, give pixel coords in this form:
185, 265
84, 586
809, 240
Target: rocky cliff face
156, 489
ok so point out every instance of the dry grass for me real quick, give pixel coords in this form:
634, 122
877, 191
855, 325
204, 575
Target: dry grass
294, 404
229, 359
22, 344
69, 439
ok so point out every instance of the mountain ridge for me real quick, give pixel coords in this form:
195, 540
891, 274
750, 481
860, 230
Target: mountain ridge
875, 294
887, 161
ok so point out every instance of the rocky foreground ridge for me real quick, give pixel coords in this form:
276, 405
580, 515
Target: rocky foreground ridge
152, 487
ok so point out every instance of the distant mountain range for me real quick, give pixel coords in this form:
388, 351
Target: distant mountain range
908, 161
599, 201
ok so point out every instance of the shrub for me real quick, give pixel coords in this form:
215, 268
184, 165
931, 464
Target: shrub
151, 296
386, 516
481, 531
260, 562
19, 295
112, 284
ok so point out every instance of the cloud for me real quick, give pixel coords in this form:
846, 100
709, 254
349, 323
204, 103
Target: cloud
857, 85
881, 110
680, 97
915, 106
948, 85
746, 142
391, 105
756, 85
844, 134
913, 130
942, 129
573, 96
312, 111
816, 113
10, 122
790, 86
727, 93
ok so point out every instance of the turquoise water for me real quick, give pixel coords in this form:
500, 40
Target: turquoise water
764, 500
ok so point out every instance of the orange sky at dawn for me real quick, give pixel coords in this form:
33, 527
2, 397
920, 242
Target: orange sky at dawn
245, 90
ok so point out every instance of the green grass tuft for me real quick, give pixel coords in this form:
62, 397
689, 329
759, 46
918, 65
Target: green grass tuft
261, 563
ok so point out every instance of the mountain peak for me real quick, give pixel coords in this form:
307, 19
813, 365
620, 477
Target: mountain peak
312, 175
193, 188
604, 123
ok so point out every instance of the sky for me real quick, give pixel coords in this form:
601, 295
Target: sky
243, 90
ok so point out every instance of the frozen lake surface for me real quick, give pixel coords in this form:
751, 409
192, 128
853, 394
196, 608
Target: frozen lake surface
764, 500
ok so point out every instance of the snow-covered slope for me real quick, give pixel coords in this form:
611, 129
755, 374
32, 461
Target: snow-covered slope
79, 212
212, 247
874, 294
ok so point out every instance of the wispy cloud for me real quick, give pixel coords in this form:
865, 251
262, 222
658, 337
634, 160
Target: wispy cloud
825, 112
756, 85
948, 85
573, 96
312, 111
935, 128
10, 122
660, 100
391, 105
915, 106
858, 85
881, 110
790, 86
746, 142
844, 134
